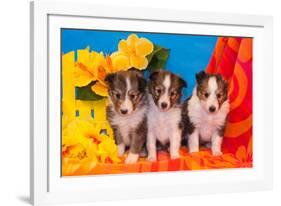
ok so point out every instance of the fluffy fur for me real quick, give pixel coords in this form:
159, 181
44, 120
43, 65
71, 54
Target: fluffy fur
164, 113
205, 112
127, 110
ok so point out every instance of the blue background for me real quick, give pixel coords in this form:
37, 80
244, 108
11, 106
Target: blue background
188, 55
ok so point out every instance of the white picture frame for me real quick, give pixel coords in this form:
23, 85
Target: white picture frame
47, 186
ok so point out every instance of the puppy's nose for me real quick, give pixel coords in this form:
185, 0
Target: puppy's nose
123, 111
212, 108
164, 105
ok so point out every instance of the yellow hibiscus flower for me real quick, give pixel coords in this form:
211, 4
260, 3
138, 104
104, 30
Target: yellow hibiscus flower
133, 52
92, 66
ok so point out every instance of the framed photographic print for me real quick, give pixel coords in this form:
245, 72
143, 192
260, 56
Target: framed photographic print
126, 105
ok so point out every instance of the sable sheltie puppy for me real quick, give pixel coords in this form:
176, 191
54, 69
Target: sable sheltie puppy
127, 110
164, 113
205, 112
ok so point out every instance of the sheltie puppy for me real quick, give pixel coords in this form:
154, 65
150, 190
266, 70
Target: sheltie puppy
205, 112
127, 111
164, 113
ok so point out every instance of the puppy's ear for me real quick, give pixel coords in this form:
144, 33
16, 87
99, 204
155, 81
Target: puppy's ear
221, 79
153, 75
183, 82
142, 84
225, 82
110, 78
200, 76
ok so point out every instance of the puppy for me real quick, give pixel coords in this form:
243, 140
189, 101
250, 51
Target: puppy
205, 112
127, 110
164, 113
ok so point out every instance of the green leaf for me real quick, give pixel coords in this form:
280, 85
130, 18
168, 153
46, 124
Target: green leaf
86, 93
158, 58
155, 50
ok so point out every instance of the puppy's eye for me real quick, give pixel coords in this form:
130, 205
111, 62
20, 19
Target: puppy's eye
173, 93
206, 94
117, 96
218, 96
133, 96
158, 91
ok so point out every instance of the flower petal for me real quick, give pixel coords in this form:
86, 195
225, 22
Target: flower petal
123, 46
139, 62
131, 42
143, 47
94, 59
82, 75
109, 64
99, 64
120, 62
83, 80
83, 56
100, 89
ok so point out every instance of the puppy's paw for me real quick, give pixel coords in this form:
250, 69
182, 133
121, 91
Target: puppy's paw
175, 156
216, 153
151, 158
132, 158
121, 149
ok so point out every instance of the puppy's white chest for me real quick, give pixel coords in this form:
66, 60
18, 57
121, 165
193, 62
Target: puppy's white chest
206, 123
206, 128
127, 124
163, 124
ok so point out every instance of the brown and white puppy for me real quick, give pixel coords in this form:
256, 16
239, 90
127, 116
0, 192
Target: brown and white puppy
205, 112
164, 113
127, 110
